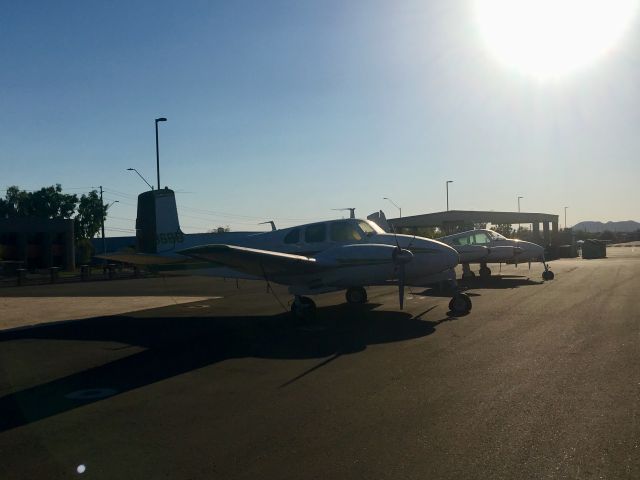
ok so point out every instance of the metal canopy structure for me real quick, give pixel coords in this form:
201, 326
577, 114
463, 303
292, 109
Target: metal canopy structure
467, 217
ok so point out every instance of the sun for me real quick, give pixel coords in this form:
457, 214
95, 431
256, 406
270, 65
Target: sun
551, 38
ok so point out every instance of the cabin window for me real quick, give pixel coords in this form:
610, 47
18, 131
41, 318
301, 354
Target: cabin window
315, 233
344, 232
293, 236
462, 241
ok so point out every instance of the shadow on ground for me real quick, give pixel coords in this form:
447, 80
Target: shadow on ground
178, 345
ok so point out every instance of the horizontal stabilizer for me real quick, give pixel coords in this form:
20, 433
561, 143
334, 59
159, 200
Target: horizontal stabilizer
144, 258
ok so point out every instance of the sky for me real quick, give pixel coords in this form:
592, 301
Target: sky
285, 110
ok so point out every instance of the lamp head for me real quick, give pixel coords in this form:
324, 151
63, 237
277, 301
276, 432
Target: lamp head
161, 119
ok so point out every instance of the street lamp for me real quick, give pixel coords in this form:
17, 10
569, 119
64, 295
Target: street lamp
143, 179
519, 197
161, 119
447, 184
394, 204
565, 217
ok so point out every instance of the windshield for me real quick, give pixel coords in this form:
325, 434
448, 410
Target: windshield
369, 228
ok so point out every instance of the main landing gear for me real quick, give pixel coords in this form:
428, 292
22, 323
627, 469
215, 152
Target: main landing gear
303, 307
356, 295
460, 304
467, 274
485, 272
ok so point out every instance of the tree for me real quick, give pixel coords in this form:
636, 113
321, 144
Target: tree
48, 202
91, 214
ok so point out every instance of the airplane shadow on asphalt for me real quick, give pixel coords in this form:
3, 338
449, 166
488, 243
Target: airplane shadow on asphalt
495, 282
182, 344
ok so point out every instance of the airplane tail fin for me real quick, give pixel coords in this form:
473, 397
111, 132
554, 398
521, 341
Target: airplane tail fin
157, 225
380, 219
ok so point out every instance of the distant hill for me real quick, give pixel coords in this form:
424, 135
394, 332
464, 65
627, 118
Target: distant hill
598, 227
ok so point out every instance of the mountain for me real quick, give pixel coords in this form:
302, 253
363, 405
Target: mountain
597, 227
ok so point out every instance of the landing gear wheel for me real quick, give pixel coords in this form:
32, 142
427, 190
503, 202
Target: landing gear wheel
468, 275
547, 275
356, 295
303, 307
485, 273
460, 304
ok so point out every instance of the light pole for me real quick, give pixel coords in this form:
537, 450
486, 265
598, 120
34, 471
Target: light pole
394, 204
519, 197
565, 217
447, 184
161, 119
143, 179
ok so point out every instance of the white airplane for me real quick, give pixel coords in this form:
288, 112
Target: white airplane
310, 259
486, 246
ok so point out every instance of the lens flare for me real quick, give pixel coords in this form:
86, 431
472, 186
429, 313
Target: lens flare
550, 38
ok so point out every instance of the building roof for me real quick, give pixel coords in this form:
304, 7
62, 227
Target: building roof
471, 216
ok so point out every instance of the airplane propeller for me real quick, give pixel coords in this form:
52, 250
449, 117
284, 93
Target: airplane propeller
400, 257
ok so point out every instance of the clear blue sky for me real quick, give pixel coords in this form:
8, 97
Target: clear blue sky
286, 109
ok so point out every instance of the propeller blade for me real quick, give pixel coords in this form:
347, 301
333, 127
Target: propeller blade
401, 286
395, 236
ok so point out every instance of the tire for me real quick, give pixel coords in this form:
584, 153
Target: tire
356, 295
485, 272
547, 275
460, 304
304, 308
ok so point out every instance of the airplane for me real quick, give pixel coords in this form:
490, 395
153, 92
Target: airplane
310, 259
487, 246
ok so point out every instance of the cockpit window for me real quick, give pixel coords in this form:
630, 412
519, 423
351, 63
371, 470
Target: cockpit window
344, 232
315, 233
366, 228
481, 238
293, 236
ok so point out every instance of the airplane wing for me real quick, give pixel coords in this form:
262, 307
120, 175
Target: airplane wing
144, 258
256, 262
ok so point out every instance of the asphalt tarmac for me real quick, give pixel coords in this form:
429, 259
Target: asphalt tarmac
540, 380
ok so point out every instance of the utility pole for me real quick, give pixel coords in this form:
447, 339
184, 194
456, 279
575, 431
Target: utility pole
104, 242
448, 182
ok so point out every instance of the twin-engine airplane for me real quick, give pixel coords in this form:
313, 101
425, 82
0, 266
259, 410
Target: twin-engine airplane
310, 259
486, 246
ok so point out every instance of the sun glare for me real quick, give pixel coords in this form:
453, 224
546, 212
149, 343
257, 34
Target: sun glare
550, 38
